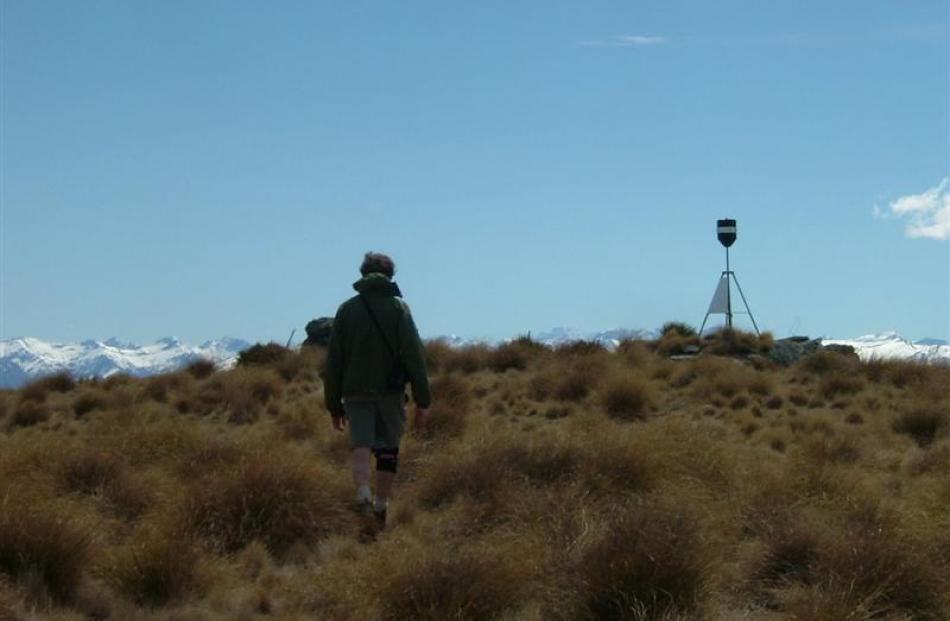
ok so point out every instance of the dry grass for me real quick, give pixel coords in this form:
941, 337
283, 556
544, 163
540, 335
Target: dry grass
647, 563
743, 491
626, 397
41, 547
275, 499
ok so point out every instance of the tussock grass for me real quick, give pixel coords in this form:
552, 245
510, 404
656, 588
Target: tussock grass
516, 354
276, 499
812, 492
731, 342
441, 584
452, 403
824, 362
155, 567
626, 397
202, 368
266, 354
647, 563
40, 546
95, 399
29, 412
923, 424
38, 389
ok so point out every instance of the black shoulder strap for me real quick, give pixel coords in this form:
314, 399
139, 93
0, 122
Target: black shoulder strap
379, 328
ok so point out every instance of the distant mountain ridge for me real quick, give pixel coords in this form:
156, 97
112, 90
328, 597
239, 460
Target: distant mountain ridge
890, 345
25, 359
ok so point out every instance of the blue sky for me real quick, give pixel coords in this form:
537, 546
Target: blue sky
219, 168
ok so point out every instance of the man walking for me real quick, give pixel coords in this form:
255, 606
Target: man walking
374, 350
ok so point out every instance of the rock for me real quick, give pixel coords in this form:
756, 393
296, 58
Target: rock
786, 352
318, 332
844, 350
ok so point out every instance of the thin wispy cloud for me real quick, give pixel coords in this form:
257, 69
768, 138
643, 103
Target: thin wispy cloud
926, 214
627, 41
635, 40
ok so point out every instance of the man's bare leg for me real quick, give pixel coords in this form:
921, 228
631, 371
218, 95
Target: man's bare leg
361, 474
384, 487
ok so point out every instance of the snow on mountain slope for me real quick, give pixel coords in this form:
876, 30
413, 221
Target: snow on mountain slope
558, 336
889, 345
25, 359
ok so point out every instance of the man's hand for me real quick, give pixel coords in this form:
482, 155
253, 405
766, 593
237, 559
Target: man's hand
339, 423
420, 418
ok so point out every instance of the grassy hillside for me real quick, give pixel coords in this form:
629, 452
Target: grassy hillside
573, 483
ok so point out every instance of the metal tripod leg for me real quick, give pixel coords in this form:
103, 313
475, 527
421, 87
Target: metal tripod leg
748, 310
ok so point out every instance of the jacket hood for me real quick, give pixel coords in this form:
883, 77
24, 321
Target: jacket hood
376, 283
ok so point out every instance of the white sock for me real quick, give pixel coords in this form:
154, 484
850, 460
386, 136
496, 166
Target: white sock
364, 494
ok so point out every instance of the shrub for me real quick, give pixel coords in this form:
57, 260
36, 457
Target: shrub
922, 424
117, 379
267, 497
57, 382
159, 387
899, 373
634, 352
647, 564
720, 376
626, 397
437, 353
774, 402
87, 402
87, 471
29, 413
243, 392
154, 568
790, 557
40, 543
580, 348
678, 328
263, 354
577, 383
467, 359
874, 565
451, 405
674, 344
824, 362
761, 384
482, 472
452, 585
514, 354
201, 368
613, 463
731, 342
568, 379
833, 385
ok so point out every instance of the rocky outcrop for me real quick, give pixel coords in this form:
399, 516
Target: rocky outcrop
318, 332
790, 350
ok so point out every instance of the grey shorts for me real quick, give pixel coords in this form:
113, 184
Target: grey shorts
375, 423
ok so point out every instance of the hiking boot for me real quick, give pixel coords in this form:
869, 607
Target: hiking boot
380, 515
363, 507
363, 503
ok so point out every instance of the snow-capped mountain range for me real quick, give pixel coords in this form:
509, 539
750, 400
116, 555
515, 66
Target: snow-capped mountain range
25, 359
890, 345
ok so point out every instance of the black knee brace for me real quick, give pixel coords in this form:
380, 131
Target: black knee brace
387, 459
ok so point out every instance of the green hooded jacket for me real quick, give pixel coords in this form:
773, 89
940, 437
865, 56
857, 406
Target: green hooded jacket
358, 362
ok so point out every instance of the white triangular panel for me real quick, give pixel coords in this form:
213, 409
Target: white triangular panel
720, 301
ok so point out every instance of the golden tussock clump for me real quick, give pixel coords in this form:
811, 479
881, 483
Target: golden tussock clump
568, 482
